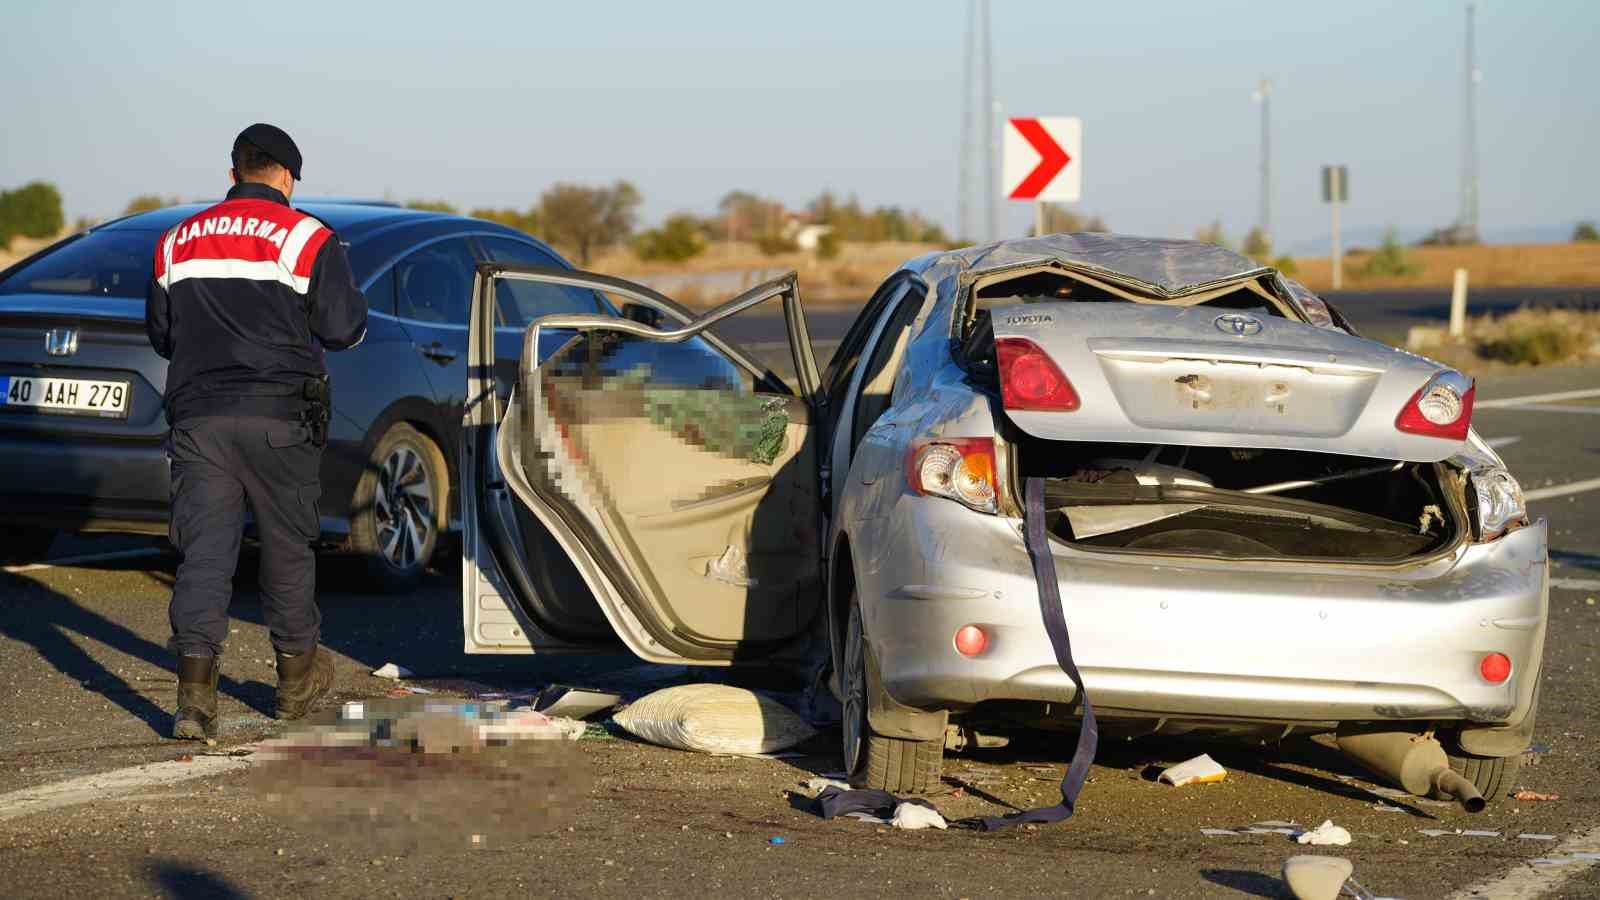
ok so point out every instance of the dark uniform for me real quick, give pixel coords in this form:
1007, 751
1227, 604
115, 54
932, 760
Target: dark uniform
246, 295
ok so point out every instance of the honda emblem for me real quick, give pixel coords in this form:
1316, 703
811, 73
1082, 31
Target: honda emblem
61, 341
1237, 324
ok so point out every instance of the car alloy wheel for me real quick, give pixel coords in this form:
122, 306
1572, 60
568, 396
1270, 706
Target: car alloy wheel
853, 686
403, 506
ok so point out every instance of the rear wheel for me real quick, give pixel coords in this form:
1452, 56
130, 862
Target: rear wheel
24, 544
896, 765
1493, 776
398, 510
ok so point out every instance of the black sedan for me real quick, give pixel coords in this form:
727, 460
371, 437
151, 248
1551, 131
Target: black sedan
81, 425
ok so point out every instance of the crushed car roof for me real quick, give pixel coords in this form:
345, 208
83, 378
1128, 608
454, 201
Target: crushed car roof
1161, 266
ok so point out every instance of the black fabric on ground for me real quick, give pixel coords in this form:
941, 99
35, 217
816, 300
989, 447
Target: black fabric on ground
834, 802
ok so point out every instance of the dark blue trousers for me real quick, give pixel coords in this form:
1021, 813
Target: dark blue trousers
220, 463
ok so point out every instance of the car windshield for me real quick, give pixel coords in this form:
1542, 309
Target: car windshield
114, 263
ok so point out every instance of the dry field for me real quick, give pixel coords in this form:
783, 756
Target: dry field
1488, 265
22, 246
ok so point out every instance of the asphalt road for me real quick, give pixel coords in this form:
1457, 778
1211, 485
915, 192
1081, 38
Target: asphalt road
88, 688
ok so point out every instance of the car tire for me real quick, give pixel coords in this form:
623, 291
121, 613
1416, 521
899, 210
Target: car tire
1493, 776
24, 544
872, 760
397, 513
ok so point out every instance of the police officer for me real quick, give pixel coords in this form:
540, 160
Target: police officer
246, 295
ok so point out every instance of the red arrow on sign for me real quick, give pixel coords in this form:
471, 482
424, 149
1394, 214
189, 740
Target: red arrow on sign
1052, 159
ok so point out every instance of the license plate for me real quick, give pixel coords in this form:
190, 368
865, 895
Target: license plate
64, 395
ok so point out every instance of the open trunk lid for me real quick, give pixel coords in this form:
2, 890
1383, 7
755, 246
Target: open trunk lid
1206, 376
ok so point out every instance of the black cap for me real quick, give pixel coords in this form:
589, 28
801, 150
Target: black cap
276, 143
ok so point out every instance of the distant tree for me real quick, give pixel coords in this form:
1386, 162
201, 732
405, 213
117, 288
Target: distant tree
1213, 234
828, 245
1285, 264
147, 203
438, 206
33, 210
1389, 260
585, 218
1256, 244
1448, 236
527, 221
1586, 232
773, 243
1059, 219
679, 238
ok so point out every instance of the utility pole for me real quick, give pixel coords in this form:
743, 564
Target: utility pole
1467, 228
966, 225
991, 159
1263, 96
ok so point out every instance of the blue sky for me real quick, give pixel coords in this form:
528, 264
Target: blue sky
488, 103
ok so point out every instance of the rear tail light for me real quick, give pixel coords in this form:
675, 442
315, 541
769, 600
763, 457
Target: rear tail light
1495, 668
1496, 501
961, 469
1030, 379
1441, 408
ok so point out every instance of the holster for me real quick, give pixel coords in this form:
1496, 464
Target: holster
318, 396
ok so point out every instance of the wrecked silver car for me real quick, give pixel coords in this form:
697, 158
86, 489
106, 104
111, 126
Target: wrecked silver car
1261, 523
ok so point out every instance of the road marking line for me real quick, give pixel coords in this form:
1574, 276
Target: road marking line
87, 558
1561, 490
1557, 408
1528, 879
1576, 584
116, 783
1536, 398
1499, 442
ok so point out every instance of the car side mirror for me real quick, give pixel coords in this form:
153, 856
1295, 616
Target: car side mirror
644, 315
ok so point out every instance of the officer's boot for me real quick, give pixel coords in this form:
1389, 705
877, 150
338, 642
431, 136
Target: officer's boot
303, 679
197, 699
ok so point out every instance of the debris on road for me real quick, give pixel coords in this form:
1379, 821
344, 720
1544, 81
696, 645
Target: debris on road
823, 783
877, 807
1316, 877
1530, 836
1526, 794
1484, 834
1325, 835
714, 718
391, 670
574, 702
1219, 832
1200, 770
435, 727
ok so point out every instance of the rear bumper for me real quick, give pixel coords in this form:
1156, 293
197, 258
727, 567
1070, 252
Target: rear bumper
78, 485
1198, 639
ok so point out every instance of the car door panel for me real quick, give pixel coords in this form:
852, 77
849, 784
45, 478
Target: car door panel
683, 490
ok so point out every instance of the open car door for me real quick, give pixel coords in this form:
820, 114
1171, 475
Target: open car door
675, 475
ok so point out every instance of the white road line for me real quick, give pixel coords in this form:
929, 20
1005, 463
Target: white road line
116, 783
1561, 490
1576, 584
1507, 441
1536, 398
1530, 878
1558, 408
87, 558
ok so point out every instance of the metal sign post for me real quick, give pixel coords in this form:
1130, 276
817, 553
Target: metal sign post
1336, 192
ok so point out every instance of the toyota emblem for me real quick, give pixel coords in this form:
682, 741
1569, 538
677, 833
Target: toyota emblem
61, 341
1237, 324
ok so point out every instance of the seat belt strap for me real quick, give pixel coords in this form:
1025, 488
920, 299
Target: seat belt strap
1055, 625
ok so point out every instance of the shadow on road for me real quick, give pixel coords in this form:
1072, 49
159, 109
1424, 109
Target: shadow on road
179, 879
58, 627
1243, 880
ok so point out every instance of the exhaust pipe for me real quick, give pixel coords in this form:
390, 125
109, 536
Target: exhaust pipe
1413, 763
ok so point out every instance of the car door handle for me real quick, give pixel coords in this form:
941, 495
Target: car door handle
437, 352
